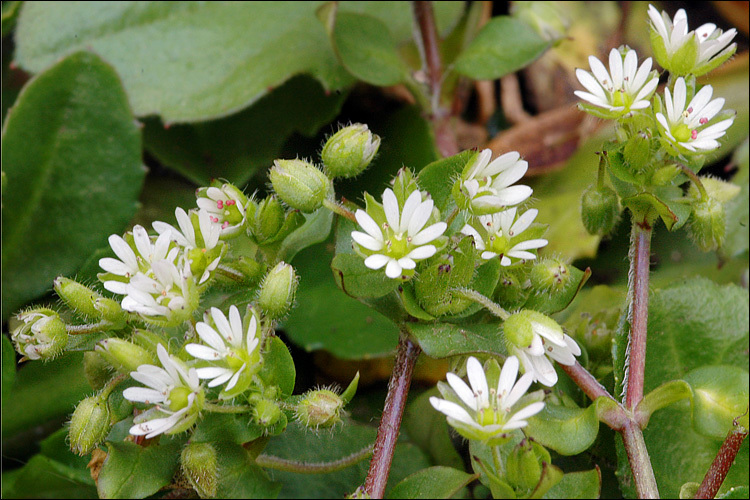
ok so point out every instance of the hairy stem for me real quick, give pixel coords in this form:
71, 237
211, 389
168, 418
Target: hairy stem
721, 464
271, 462
338, 209
219, 408
640, 250
390, 422
640, 464
615, 418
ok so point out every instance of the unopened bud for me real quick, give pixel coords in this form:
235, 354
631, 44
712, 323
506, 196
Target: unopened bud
707, 226
299, 184
277, 291
524, 465
124, 356
269, 217
78, 297
89, 425
435, 288
600, 210
349, 151
200, 467
96, 369
549, 275
637, 152
320, 408
520, 327
39, 333
266, 412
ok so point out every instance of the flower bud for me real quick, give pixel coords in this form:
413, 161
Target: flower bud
277, 291
349, 151
707, 225
266, 412
549, 275
600, 210
39, 333
299, 184
513, 287
637, 152
320, 408
96, 369
124, 356
269, 217
78, 297
200, 466
524, 465
520, 327
89, 425
435, 287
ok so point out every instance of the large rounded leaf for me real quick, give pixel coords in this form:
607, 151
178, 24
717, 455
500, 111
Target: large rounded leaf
71, 151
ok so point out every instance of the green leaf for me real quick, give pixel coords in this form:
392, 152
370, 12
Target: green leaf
428, 429
367, 50
433, 482
504, 45
43, 477
739, 492
329, 319
9, 16
568, 431
300, 444
240, 476
438, 177
692, 323
9, 369
278, 366
133, 471
720, 394
238, 429
231, 148
357, 280
442, 340
72, 154
202, 60
584, 484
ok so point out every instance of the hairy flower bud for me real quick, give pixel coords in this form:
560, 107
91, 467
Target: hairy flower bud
707, 226
277, 291
89, 424
600, 210
39, 333
299, 184
524, 465
435, 288
96, 369
320, 408
549, 275
78, 297
200, 466
269, 217
349, 151
124, 356
266, 412
518, 329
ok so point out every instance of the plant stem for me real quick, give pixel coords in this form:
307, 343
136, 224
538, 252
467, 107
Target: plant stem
640, 250
390, 421
270, 462
218, 408
427, 41
339, 210
640, 464
721, 464
615, 418
101, 326
488, 304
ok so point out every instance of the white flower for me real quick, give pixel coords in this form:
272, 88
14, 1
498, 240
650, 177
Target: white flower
235, 349
225, 207
131, 263
401, 239
547, 340
170, 293
204, 241
685, 127
622, 89
501, 236
174, 389
484, 413
681, 51
485, 187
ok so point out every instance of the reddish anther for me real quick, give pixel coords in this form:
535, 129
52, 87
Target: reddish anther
694, 134
220, 204
231, 202
690, 109
703, 120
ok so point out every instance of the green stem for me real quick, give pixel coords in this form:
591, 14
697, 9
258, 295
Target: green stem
218, 408
696, 180
112, 384
499, 468
101, 326
231, 273
477, 297
452, 217
270, 462
602, 169
338, 209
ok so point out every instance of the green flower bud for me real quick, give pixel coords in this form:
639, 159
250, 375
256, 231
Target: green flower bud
199, 465
268, 220
299, 184
600, 210
549, 275
320, 408
277, 291
513, 287
434, 288
518, 330
524, 465
78, 297
707, 226
96, 369
664, 175
89, 425
124, 356
349, 151
39, 333
637, 151
266, 413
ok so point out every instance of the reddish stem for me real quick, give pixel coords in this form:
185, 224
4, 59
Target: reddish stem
721, 464
640, 463
593, 389
390, 421
641, 252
